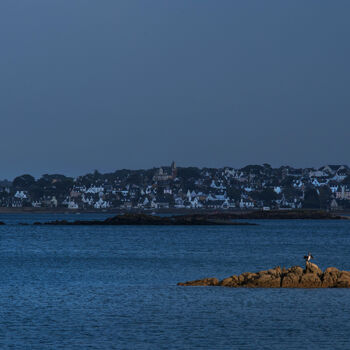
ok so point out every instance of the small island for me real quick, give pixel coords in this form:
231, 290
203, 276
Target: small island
295, 277
143, 219
208, 218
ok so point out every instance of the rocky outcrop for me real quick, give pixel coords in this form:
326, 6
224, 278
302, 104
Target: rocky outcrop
143, 219
295, 277
204, 282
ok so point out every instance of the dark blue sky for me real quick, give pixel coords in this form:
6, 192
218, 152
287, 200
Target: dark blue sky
135, 84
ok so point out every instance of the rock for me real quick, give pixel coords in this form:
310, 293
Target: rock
291, 277
312, 268
331, 270
229, 282
250, 279
297, 270
265, 279
275, 272
203, 282
248, 276
291, 280
343, 280
345, 274
294, 277
268, 281
310, 280
330, 277
342, 283
2, 223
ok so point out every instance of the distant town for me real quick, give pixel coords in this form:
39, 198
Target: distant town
172, 187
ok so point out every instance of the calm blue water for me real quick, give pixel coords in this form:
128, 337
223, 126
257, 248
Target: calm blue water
115, 287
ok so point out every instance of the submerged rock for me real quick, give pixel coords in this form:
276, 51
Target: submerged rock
294, 277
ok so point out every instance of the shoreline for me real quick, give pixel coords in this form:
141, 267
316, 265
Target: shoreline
238, 212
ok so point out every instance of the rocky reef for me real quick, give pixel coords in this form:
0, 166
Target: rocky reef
297, 214
143, 219
295, 277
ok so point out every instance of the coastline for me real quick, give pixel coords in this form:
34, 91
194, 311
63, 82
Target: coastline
119, 210
255, 213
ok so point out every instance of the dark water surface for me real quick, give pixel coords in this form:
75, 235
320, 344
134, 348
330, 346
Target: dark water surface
115, 287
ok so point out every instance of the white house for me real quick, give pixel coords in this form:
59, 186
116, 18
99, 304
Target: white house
20, 195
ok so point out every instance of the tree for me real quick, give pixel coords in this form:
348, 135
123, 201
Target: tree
312, 199
187, 173
52, 185
97, 175
23, 182
135, 178
287, 182
234, 193
290, 193
267, 195
346, 181
325, 197
252, 169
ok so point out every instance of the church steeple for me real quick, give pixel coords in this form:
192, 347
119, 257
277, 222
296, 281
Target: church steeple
173, 170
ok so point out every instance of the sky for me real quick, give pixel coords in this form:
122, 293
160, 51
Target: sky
107, 85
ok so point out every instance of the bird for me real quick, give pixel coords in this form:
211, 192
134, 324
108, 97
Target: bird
308, 257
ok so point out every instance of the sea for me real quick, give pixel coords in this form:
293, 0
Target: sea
105, 287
